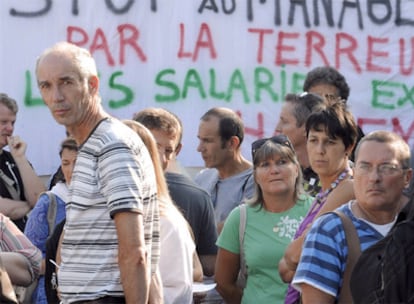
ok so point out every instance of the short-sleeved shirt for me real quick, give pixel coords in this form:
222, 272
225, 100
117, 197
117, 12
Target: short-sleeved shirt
10, 169
227, 193
267, 235
113, 173
195, 204
325, 251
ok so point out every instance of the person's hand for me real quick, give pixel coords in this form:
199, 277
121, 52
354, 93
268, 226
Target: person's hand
16, 145
198, 297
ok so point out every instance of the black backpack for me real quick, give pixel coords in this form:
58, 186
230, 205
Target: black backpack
384, 272
51, 281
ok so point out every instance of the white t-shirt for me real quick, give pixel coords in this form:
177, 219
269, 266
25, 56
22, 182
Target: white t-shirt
176, 260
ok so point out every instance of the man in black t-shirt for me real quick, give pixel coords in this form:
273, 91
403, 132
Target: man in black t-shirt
19, 184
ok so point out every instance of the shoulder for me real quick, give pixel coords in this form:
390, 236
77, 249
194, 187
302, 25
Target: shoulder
305, 200
42, 203
181, 181
206, 178
206, 173
229, 236
328, 224
340, 195
111, 132
345, 188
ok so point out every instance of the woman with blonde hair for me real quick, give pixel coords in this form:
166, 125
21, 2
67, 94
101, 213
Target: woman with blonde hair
272, 217
177, 245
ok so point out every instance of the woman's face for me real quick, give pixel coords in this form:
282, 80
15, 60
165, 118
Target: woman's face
276, 175
68, 160
327, 156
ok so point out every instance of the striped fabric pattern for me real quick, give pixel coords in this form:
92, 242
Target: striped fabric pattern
113, 173
325, 251
13, 240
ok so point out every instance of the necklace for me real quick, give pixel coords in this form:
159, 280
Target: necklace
321, 197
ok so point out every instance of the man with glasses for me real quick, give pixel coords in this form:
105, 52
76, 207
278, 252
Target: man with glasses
382, 170
293, 116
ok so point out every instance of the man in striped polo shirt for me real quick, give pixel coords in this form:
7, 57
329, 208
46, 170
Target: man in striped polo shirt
382, 170
110, 246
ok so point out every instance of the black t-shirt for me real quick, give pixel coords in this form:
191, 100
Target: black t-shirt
9, 168
196, 206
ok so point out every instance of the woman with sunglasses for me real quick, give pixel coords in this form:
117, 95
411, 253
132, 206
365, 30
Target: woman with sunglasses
272, 217
331, 135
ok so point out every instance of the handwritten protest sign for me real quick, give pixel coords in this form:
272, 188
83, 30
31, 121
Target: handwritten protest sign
190, 55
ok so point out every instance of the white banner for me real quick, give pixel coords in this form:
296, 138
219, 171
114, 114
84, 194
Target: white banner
188, 56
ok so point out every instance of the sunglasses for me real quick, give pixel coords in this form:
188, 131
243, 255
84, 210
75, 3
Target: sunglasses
278, 139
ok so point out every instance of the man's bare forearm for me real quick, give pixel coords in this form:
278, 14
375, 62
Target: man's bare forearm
14, 209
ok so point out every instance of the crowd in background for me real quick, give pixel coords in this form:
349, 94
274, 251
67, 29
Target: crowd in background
121, 223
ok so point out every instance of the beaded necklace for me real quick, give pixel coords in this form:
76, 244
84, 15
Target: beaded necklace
321, 197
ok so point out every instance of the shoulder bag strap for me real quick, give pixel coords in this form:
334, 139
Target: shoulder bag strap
51, 211
242, 229
354, 251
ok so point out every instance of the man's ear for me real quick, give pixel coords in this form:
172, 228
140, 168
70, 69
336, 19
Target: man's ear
234, 142
93, 84
408, 177
178, 149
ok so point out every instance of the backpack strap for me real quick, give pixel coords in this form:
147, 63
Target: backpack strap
354, 251
242, 229
51, 211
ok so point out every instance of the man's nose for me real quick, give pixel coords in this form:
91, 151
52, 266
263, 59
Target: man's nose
9, 126
200, 147
57, 95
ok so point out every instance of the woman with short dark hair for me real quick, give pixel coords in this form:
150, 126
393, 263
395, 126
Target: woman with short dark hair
331, 136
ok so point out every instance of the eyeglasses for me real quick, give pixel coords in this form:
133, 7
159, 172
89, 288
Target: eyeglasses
382, 169
279, 139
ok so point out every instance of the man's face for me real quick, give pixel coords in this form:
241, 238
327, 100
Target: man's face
377, 187
166, 144
287, 125
210, 144
64, 93
7, 120
327, 91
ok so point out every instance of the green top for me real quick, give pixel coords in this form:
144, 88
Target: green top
266, 238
